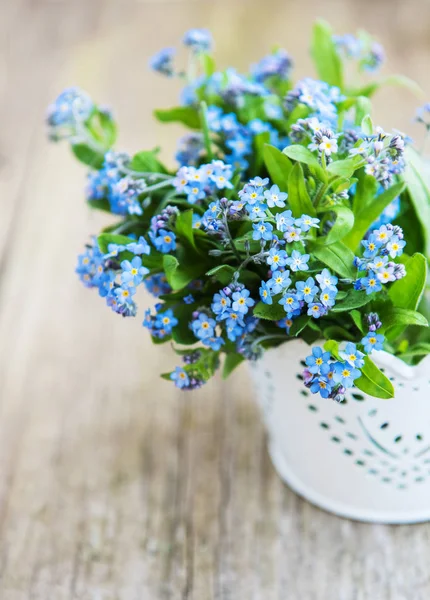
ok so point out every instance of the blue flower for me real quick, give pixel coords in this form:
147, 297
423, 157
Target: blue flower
180, 377
262, 231
133, 272
265, 293
220, 303
373, 341
157, 284
345, 374
221, 174
316, 310
162, 62
305, 222
233, 318
203, 326
290, 302
259, 182
107, 283
189, 299
371, 246
72, 106
199, 40
242, 302
277, 258
124, 294
214, 343
327, 297
197, 221
284, 220
139, 247
275, 197
251, 195
165, 241
285, 323
297, 261
307, 290
383, 234
352, 356
256, 211
280, 281
395, 246
318, 361
327, 281
292, 234
166, 321
370, 283
321, 385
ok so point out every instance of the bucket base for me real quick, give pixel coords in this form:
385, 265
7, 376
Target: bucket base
332, 506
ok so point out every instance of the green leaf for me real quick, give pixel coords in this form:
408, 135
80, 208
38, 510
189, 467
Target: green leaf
299, 324
182, 333
343, 224
363, 107
298, 197
365, 216
208, 63
367, 125
88, 156
270, 312
187, 115
407, 292
419, 192
338, 333
374, 382
337, 257
178, 276
146, 162
324, 53
358, 321
231, 362
332, 347
260, 141
343, 168
301, 154
223, 273
105, 239
367, 187
353, 299
184, 228
278, 165
402, 317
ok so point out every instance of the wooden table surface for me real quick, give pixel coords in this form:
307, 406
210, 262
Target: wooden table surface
113, 485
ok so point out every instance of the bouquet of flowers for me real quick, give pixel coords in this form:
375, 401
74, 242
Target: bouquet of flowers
290, 215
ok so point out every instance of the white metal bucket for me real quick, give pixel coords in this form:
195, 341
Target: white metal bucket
366, 459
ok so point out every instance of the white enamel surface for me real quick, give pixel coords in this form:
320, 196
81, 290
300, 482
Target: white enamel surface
367, 459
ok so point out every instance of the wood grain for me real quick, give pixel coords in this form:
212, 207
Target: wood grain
113, 485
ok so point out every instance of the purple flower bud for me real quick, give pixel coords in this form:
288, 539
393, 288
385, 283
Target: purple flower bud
399, 271
195, 314
227, 291
373, 321
307, 377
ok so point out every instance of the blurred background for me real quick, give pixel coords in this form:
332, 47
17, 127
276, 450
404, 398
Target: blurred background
114, 485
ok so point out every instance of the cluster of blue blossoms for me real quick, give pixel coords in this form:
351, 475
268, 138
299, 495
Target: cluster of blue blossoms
252, 260
198, 183
111, 183
331, 377
379, 246
116, 281
369, 53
